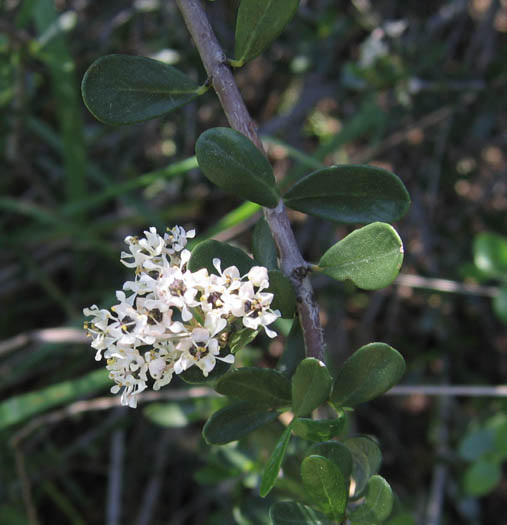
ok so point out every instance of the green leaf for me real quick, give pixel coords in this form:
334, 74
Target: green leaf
204, 253
498, 425
194, 375
291, 513
123, 89
500, 304
325, 484
350, 194
378, 503
18, 408
482, 477
337, 453
263, 245
370, 257
235, 421
240, 338
258, 385
259, 23
284, 295
234, 163
366, 374
490, 254
317, 430
366, 460
274, 463
311, 386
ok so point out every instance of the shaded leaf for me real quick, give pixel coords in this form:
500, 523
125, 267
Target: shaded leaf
263, 245
378, 503
366, 374
336, 452
284, 295
311, 386
270, 474
204, 253
257, 385
232, 162
325, 484
294, 351
292, 513
500, 303
476, 443
370, 257
366, 460
123, 89
317, 430
259, 22
194, 375
235, 421
350, 194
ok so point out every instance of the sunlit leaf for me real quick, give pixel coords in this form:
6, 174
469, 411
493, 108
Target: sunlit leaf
317, 429
366, 460
272, 468
366, 374
377, 505
292, 513
370, 257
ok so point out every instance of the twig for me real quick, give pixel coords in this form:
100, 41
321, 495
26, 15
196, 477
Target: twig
291, 260
449, 390
445, 285
114, 484
26, 488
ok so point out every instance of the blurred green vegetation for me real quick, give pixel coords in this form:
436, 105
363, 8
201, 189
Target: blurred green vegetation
416, 87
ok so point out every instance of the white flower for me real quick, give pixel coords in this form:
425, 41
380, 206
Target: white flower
171, 319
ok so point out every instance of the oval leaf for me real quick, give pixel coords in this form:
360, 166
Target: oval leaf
311, 386
500, 303
291, 513
263, 245
336, 452
274, 463
123, 89
325, 484
378, 503
204, 253
370, 257
317, 429
366, 460
259, 23
366, 374
258, 385
490, 254
284, 296
350, 194
235, 421
233, 163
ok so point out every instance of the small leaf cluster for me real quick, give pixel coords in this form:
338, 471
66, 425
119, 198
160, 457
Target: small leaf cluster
339, 477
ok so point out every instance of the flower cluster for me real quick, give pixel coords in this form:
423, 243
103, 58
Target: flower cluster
169, 318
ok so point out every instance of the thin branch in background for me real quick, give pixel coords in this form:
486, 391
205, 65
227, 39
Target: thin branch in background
115, 477
291, 260
449, 390
26, 488
445, 285
154, 485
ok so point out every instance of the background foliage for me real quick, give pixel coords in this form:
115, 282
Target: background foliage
416, 88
